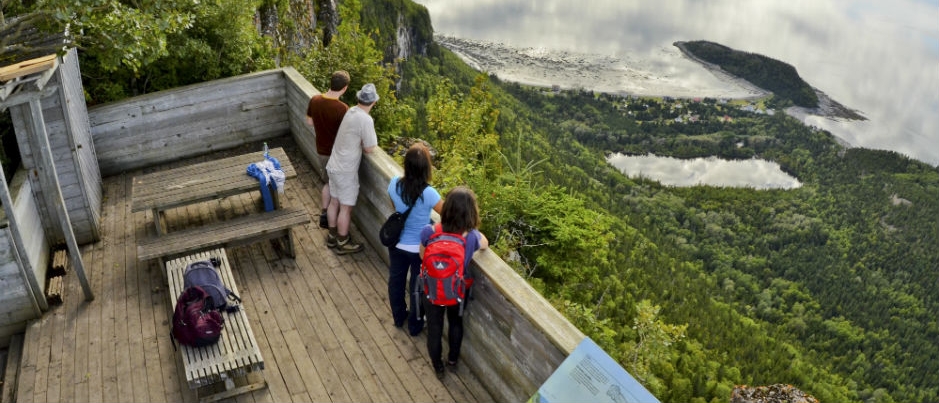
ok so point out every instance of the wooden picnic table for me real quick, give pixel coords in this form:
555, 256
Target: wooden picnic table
205, 181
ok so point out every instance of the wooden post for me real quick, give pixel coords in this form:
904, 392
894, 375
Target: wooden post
39, 304
48, 162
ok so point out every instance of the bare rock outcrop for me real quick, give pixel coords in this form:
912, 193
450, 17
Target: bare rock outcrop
778, 393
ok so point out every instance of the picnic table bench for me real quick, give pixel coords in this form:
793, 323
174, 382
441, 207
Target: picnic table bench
274, 225
232, 366
177, 187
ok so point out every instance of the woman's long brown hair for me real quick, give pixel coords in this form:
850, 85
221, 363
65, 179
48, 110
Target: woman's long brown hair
460, 212
417, 173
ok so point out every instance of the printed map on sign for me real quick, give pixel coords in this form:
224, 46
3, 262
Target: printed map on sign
590, 374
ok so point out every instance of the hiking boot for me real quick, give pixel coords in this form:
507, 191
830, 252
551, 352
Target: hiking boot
331, 241
324, 223
347, 246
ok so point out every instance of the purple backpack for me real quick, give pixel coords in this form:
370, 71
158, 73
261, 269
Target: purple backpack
204, 274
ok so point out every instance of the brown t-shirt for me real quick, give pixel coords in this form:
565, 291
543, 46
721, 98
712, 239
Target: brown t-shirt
327, 114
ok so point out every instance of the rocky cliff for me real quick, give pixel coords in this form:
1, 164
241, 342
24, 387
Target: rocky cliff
778, 393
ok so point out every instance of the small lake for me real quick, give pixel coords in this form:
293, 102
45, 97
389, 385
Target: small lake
713, 171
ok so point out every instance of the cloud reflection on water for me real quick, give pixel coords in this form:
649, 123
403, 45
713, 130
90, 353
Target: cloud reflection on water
754, 173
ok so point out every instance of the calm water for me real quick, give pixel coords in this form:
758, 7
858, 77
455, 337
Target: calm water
878, 57
754, 173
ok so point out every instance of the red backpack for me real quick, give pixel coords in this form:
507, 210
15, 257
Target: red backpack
442, 272
195, 321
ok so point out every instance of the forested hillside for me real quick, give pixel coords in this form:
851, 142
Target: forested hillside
765, 72
830, 287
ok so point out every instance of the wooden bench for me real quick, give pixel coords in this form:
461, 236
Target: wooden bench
230, 367
238, 231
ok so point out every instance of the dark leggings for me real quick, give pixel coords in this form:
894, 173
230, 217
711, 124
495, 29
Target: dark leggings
402, 281
435, 314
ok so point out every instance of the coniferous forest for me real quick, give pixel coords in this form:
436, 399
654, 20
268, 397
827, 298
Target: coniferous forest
830, 287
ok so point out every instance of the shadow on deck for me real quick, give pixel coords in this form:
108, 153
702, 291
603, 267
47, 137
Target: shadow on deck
322, 321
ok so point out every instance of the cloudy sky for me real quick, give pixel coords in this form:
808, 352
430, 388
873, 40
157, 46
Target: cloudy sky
878, 57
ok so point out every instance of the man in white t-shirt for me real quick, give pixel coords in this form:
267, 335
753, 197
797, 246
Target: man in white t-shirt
356, 135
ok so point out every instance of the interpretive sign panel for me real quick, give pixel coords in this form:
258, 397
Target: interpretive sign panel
589, 374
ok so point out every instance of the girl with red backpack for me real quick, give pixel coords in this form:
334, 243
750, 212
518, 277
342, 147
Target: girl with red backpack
459, 223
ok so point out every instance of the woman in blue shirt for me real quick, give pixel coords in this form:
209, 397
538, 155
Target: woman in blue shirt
412, 189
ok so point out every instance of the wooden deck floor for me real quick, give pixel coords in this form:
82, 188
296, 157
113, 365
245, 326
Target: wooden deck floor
321, 320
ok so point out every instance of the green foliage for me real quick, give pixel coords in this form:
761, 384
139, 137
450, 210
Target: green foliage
354, 51
131, 48
652, 345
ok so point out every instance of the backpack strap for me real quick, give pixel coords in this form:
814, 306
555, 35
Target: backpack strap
407, 212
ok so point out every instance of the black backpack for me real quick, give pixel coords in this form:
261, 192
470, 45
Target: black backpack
204, 274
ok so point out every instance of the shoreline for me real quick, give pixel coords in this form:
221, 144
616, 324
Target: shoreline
626, 77
621, 75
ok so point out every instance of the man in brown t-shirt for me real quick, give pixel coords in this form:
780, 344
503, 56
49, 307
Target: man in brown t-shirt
325, 113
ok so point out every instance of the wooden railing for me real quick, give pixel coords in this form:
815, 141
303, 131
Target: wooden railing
514, 339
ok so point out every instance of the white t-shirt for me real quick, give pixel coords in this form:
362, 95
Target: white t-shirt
356, 132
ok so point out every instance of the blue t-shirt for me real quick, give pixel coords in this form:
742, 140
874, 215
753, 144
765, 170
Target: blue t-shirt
420, 215
472, 244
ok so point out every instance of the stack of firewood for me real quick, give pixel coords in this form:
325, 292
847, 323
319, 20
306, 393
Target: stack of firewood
56, 285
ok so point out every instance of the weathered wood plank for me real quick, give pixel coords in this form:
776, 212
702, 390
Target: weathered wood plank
269, 331
246, 229
112, 262
42, 377
127, 307
27, 67
11, 372
135, 308
95, 341
30, 363
298, 346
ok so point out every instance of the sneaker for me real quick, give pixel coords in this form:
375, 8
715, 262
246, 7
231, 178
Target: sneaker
440, 373
400, 323
324, 223
331, 241
452, 365
347, 246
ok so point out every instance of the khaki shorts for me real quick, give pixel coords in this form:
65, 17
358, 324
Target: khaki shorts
321, 169
344, 186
